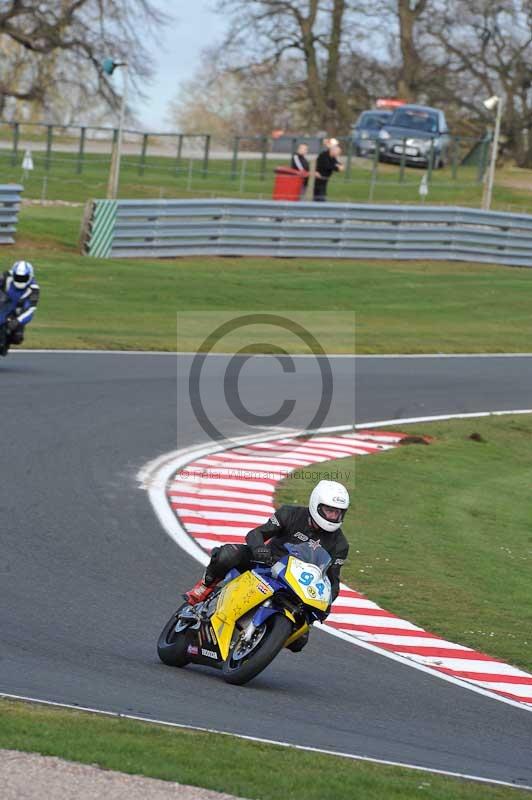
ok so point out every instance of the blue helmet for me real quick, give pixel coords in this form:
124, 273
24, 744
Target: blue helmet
22, 274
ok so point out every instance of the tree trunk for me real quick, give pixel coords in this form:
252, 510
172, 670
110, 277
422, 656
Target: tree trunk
518, 146
527, 158
408, 14
335, 99
511, 129
313, 77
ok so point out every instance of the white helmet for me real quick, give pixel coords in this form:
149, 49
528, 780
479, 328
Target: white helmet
22, 274
328, 504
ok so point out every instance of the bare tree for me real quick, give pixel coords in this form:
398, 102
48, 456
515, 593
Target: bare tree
411, 74
337, 41
57, 46
448, 53
317, 32
408, 49
228, 103
488, 44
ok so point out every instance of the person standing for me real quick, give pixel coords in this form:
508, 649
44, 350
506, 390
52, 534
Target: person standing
326, 163
300, 162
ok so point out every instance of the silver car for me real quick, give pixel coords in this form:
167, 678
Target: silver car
415, 134
366, 131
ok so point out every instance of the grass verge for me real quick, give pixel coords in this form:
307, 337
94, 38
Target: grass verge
221, 763
456, 557
120, 304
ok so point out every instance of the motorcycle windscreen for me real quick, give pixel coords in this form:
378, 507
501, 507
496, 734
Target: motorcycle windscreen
310, 552
236, 599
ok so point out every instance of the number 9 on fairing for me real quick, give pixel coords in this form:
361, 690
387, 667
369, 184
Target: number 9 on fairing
306, 578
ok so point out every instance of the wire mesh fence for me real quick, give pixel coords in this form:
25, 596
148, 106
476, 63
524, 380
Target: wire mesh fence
72, 163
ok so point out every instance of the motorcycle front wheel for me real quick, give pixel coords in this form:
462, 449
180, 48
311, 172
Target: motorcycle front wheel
4, 342
172, 646
271, 636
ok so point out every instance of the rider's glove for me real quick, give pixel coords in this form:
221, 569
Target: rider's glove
262, 554
12, 324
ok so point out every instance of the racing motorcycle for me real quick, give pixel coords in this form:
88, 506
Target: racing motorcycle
6, 311
251, 616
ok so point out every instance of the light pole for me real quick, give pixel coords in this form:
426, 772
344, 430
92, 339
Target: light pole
109, 66
490, 104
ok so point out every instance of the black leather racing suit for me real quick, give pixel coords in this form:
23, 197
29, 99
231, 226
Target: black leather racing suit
289, 525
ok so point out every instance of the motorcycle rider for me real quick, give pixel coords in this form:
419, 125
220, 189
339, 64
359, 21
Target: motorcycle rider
23, 291
320, 522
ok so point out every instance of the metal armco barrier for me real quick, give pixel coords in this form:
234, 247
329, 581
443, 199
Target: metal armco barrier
170, 228
9, 208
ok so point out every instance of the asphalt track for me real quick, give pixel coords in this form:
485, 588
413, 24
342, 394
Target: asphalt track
88, 577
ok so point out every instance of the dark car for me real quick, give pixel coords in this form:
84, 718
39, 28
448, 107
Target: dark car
366, 131
419, 131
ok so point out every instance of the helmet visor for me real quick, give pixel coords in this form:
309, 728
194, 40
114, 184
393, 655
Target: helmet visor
21, 281
330, 513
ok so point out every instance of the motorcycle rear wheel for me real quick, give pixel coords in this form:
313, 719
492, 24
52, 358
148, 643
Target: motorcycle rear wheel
243, 670
172, 646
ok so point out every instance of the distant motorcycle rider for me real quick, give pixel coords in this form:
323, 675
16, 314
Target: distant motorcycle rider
22, 290
320, 522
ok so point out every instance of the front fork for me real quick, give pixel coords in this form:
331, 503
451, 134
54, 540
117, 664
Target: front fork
267, 610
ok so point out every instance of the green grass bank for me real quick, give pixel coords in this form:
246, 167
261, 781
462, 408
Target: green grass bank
442, 534
401, 307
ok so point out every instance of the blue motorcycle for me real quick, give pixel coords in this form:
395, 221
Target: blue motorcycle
6, 316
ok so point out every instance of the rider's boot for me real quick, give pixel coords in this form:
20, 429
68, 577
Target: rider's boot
201, 590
